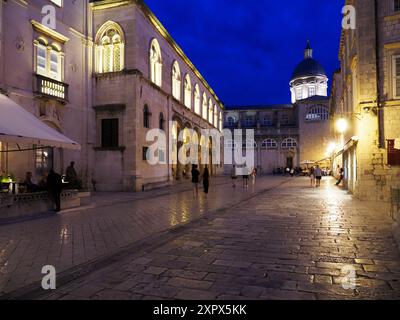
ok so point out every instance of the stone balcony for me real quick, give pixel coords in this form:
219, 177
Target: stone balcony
51, 88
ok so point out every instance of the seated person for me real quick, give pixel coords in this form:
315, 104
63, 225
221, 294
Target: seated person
30, 184
72, 177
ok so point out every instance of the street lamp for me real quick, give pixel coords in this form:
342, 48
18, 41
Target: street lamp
342, 125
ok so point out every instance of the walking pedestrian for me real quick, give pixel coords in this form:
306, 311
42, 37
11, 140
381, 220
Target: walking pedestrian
338, 172
195, 180
206, 180
312, 176
54, 186
233, 176
318, 176
254, 176
246, 178
292, 172
341, 177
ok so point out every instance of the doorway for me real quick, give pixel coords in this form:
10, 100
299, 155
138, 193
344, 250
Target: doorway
289, 162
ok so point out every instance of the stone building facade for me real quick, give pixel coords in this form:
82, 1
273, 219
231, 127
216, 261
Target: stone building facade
289, 135
366, 100
47, 72
118, 74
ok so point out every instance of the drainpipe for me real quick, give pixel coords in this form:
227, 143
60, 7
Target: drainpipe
380, 104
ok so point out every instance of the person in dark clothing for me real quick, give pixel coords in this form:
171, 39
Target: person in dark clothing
54, 186
206, 180
195, 180
341, 177
72, 177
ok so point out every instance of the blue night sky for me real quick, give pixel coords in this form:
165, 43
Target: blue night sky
247, 50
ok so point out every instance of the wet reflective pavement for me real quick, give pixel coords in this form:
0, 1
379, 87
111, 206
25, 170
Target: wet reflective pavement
290, 242
113, 222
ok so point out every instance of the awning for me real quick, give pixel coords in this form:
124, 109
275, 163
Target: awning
20, 126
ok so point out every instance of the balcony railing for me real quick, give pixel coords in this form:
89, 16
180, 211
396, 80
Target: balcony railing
51, 88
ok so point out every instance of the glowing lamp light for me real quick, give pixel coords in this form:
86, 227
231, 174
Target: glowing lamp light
331, 148
342, 125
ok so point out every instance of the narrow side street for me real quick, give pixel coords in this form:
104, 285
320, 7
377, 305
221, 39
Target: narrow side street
291, 242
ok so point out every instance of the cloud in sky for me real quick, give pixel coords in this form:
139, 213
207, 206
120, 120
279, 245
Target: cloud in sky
246, 50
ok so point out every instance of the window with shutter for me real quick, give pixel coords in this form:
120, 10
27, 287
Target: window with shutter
393, 154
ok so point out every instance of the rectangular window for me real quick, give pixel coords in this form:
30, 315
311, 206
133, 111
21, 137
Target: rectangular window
311, 92
396, 5
43, 161
161, 156
249, 122
396, 76
49, 62
267, 121
144, 153
393, 154
285, 120
41, 60
299, 93
110, 133
54, 66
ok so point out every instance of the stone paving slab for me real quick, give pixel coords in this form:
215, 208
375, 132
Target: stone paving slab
290, 243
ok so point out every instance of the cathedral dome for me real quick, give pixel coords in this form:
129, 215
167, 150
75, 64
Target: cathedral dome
309, 67
309, 79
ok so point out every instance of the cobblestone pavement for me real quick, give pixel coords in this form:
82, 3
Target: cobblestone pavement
292, 242
111, 223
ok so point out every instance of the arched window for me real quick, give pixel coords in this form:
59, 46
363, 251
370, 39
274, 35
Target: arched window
289, 143
161, 122
270, 144
220, 121
155, 63
110, 48
215, 116
176, 81
210, 111
205, 107
49, 59
231, 121
146, 117
230, 144
249, 144
188, 92
197, 99
317, 113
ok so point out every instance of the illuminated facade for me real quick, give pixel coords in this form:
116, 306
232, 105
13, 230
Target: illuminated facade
309, 78
288, 135
107, 75
366, 101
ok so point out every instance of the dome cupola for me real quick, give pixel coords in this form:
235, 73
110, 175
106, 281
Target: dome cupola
309, 78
